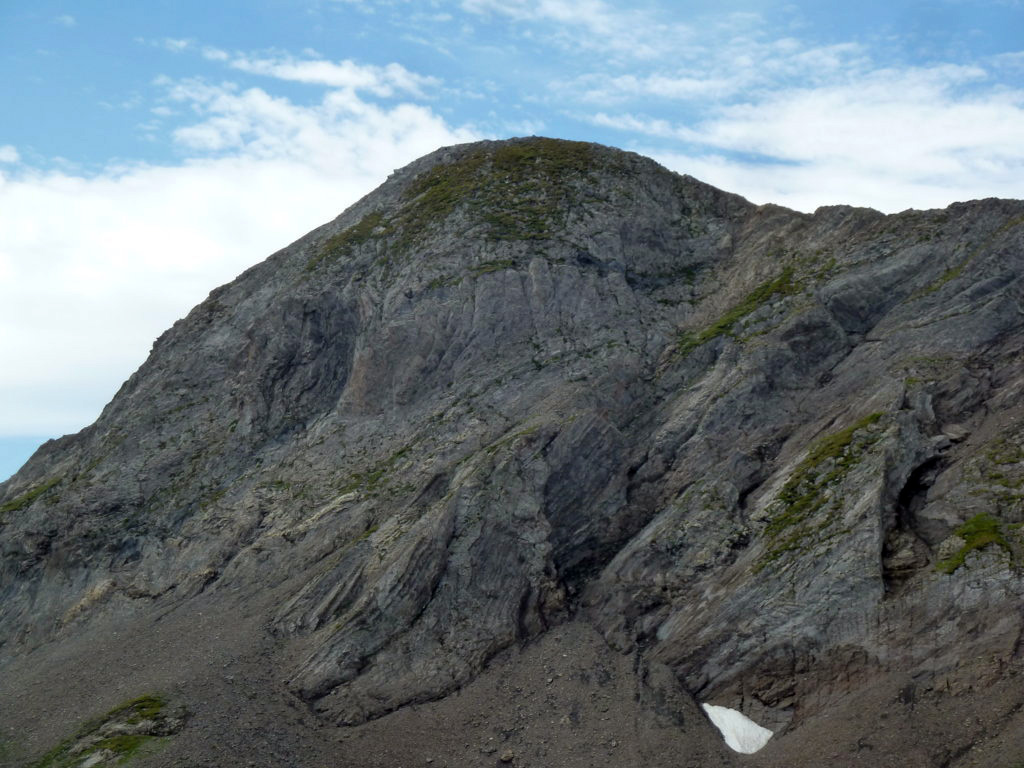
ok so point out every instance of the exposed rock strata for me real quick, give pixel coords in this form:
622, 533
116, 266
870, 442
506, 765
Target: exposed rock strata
777, 455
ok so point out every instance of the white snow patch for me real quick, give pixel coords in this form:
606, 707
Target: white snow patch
739, 731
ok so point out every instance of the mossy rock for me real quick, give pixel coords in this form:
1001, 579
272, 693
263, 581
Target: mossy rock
785, 284
797, 518
19, 503
517, 191
980, 531
139, 725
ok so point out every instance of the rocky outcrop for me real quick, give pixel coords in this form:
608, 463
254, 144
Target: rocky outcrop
135, 728
774, 456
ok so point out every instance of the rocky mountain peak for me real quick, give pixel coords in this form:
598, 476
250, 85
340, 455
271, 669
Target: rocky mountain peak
545, 419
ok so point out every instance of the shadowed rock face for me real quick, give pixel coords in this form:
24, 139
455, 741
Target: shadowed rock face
776, 457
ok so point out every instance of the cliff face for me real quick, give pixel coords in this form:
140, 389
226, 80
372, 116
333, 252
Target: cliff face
539, 389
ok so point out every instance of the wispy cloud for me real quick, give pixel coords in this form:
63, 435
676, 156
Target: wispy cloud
677, 86
593, 25
1014, 59
9, 154
714, 71
787, 119
379, 80
65, 20
215, 54
382, 81
176, 45
890, 139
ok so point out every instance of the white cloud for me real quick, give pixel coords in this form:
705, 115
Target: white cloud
83, 295
381, 81
681, 87
891, 118
1014, 59
644, 125
890, 139
593, 25
65, 21
789, 120
9, 154
715, 71
175, 45
215, 54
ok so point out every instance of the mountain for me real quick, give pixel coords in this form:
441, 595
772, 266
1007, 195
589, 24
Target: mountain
525, 456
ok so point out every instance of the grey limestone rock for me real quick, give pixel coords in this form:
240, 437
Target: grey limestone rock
777, 457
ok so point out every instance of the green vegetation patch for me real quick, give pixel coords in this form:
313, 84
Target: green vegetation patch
498, 265
807, 491
371, 226
783, 285
948, 276
445, 281
369, 482
998, 476
19, 503
920, 369
138, 710
119, 734
978, 532
517, 190
8, 752
506, 441
368, 533
1004, 452
435, 194
484, 268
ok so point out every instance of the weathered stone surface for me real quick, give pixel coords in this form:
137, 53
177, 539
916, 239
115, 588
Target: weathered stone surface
777, 457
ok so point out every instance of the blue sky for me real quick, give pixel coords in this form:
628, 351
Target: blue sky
151, 151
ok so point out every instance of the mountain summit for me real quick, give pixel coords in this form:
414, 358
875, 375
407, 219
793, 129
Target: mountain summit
524, 457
